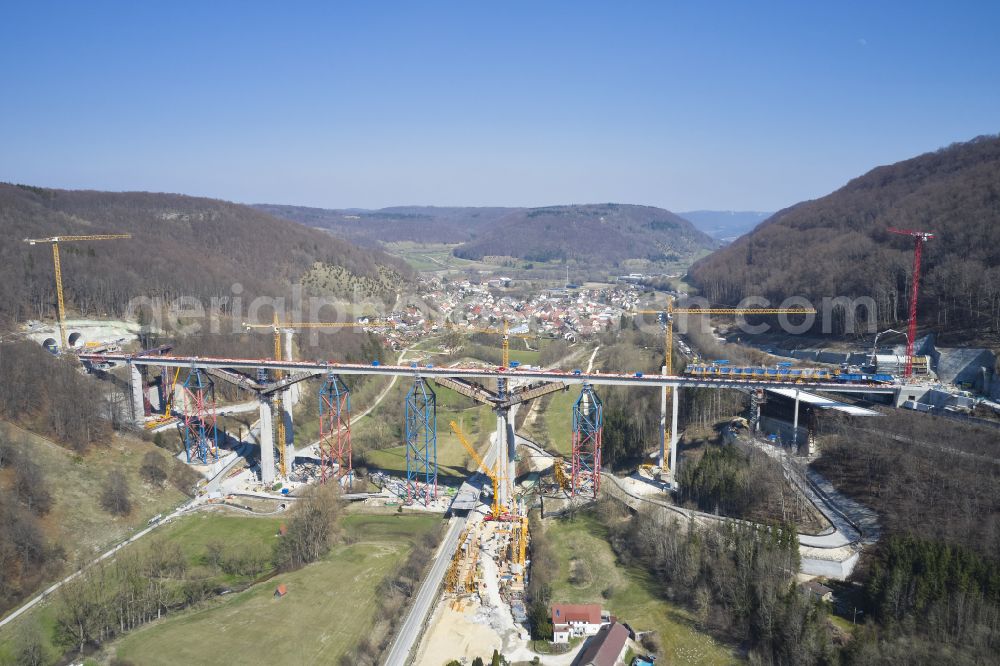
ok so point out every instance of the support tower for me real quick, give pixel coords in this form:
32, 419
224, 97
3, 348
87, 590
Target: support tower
201, 439
335, 429
588, 422
421, 443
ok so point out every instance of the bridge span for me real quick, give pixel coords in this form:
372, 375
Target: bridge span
427, 371
421, 429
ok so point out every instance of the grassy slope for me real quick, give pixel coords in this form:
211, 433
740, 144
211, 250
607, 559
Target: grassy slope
312, 624
433, 256
553, 427
632, 598
77, 521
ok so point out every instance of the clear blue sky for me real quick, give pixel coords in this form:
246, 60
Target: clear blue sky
723, 105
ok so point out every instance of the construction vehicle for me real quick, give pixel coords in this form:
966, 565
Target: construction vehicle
560, 472
54, 242
649, 471
166, 417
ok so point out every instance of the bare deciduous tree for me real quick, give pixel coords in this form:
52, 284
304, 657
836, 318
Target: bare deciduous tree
116, 496
312, 527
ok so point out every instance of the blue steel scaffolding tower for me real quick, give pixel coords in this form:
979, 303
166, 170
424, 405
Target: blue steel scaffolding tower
421, 443
201, 438
588, 422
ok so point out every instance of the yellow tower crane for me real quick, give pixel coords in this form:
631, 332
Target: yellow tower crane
495, 509
54, 242
668, 326
522, 554
155, 423
505, 336
277, 326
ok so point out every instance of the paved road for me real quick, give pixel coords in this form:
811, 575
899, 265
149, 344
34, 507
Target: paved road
410, 630
405, 643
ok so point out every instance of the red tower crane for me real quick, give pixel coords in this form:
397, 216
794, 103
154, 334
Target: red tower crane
919, 238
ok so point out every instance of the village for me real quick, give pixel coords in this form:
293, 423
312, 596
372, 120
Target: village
484, 303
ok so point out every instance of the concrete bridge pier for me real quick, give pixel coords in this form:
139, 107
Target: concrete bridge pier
288, 398
795, 425
501, 458
266, 442
663, 422
673, 436
506, 452
136, 391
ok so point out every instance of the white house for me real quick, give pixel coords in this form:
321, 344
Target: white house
572, 620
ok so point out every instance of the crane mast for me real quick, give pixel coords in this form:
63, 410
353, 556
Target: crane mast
505, 336
57, 267
491, 473
919, 238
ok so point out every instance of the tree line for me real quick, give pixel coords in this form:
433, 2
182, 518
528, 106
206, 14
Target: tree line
736, 578
26, 556
925, 476
392, 597
48, 395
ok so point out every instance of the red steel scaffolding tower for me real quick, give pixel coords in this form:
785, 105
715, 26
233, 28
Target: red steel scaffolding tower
335, 429
919, 238
201, 438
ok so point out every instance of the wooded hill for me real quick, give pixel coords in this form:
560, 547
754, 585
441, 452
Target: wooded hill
424, 224
839, 245
181, 246
606, 233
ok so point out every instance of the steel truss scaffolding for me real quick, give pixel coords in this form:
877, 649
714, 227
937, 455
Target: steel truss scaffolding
421, 443
588, 422
201, 438
335, 429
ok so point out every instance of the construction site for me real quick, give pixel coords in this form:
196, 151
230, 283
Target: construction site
487, 553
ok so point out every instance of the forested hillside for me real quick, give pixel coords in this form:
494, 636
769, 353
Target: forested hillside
181, 246
424, 224
839, 245
596, 232
606, 233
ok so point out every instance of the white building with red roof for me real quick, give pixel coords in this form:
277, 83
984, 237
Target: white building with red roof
572, 620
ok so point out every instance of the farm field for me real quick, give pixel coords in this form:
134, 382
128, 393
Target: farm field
311, 624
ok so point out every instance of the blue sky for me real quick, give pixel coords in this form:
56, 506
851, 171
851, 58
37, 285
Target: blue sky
685, 105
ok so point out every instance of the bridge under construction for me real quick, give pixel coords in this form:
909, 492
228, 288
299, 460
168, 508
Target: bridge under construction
268, 378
